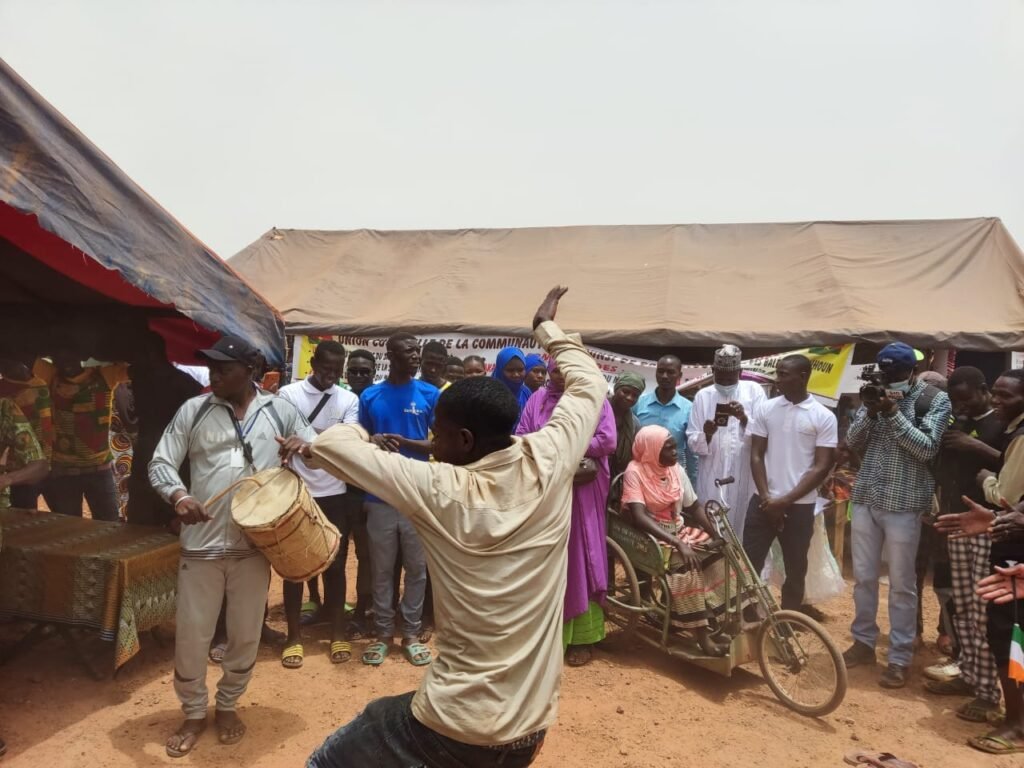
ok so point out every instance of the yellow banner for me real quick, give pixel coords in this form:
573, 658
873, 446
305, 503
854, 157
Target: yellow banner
827, 367
302, 353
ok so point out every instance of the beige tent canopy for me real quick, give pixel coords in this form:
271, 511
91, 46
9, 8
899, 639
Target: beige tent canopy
954, 283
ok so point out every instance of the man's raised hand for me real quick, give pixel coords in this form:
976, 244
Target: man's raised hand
549, 307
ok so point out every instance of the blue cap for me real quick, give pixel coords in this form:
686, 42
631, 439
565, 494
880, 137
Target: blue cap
897, 355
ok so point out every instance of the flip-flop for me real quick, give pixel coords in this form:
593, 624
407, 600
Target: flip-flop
339, 647
877, 760
375, 654
226, 740
579, 656
172, 752
217, 653
994, 745
417, 654
289, 654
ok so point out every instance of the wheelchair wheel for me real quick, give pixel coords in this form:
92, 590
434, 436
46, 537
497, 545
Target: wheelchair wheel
623, 591
801, 663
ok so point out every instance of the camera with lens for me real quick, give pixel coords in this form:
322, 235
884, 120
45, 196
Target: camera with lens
873, 391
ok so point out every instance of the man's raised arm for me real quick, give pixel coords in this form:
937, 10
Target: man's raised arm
567, 434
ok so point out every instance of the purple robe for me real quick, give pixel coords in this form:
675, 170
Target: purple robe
587, 578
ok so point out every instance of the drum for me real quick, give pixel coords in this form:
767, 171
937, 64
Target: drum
279, 517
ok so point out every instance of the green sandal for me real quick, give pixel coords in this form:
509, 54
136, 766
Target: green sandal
291, 657
979, 711
341, 651
995, 745
375, 654
417, 653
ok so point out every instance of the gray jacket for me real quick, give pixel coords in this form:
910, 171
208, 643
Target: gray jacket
202, 431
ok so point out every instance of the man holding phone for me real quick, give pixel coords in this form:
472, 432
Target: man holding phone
717, 434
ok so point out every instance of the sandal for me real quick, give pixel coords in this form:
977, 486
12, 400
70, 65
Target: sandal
375, 653
311, 619
291, 657
995, 745
231, 733
417, 654
217, 653
978, 711
188, 737
341, 651
877, 760
579, 655
356, 629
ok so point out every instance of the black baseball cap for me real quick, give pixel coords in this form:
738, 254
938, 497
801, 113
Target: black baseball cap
231, 349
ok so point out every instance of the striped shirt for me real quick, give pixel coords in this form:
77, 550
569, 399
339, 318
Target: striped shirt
895, 473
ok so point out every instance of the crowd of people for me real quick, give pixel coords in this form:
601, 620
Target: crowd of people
476, 508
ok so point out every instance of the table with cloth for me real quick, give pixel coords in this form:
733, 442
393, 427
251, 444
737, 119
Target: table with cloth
70, 571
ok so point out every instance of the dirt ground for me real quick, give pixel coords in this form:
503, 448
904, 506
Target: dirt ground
632, 707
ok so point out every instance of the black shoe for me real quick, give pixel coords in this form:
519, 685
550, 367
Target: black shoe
894, 676
811, 612
858, 654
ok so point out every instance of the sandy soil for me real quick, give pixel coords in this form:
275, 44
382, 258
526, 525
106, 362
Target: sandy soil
631, 707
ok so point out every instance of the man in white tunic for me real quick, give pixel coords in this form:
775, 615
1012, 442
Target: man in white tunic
717, 433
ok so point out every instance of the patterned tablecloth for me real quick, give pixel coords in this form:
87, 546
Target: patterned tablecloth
117, 578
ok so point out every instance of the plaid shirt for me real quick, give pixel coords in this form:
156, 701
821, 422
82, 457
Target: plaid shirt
895, 475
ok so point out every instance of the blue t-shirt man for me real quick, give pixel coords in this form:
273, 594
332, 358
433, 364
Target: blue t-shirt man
399, 409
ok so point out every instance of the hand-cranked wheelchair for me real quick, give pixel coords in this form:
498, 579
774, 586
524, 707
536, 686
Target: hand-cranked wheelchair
798, 659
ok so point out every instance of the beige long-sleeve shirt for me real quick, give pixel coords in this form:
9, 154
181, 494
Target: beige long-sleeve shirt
1009, 483
495, 534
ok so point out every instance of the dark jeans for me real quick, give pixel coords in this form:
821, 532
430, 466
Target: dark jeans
794, 538
347, 513
26, 496
386, 735
64, 494
932, 551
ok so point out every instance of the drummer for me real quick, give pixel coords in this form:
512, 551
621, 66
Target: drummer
493, 514
226, 435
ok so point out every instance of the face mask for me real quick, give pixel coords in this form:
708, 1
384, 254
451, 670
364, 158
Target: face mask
900, 386
727, 391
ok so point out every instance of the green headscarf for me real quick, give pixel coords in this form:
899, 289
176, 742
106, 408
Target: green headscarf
634, 380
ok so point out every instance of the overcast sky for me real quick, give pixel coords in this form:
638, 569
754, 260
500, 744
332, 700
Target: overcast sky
240, 116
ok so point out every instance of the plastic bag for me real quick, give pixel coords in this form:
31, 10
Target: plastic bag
823, 582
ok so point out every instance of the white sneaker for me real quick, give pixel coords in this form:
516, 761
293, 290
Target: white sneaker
943, 671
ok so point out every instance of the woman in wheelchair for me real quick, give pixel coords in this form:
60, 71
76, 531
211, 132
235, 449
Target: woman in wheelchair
656, 497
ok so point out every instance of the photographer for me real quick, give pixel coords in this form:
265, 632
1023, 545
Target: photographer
898, 432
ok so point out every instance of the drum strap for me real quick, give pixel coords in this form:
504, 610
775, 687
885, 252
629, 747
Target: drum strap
319, 407
246, 448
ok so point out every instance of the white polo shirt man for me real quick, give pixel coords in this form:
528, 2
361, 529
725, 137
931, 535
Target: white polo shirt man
797, 429
787, 438
341, 407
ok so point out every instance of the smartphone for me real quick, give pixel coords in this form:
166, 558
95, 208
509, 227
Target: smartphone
722, 414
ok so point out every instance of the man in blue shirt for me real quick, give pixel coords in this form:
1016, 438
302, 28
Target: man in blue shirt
667, 408
398, 414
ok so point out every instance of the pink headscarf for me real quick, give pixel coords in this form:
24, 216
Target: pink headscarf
661, 486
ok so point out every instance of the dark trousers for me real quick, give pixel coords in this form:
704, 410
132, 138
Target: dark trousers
26, 496
795, 539
933, 552
347, 513
64, 494
386, 735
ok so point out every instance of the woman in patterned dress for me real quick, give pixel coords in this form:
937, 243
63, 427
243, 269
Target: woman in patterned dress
658, 498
